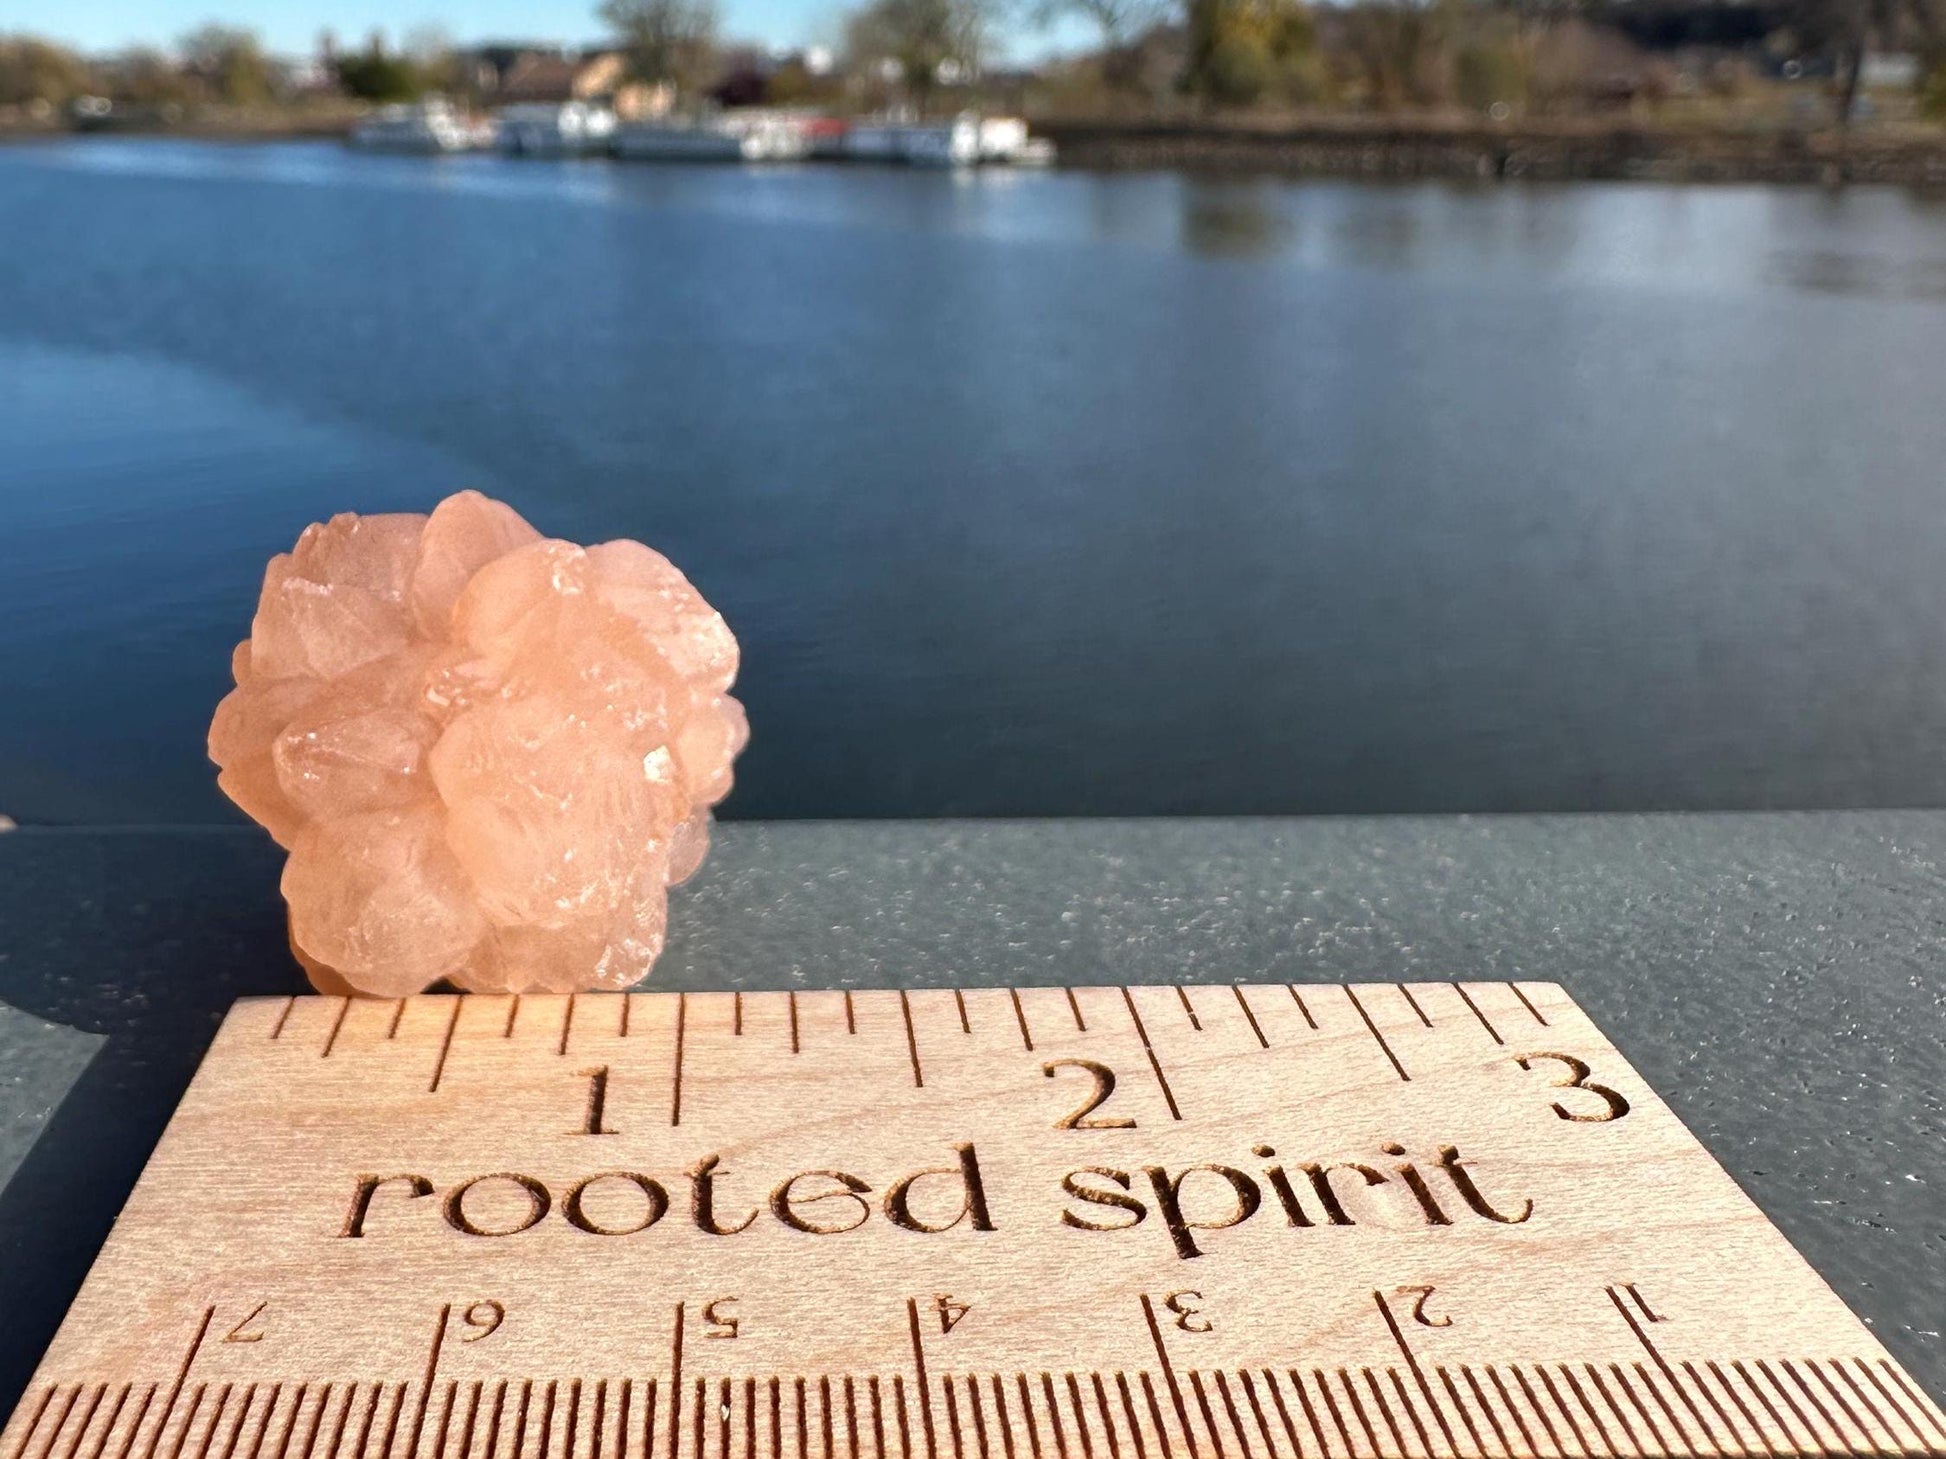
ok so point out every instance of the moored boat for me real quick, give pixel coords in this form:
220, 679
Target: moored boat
733, 137
966, 140
553, 129
431, 126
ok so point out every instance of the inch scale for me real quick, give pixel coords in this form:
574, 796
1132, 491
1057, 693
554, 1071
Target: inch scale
1378, 1221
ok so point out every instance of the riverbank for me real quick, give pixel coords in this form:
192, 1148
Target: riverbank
1349, 147
1392, 149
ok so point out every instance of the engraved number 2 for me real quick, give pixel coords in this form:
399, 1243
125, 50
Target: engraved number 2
1578, 1073
1082, 1118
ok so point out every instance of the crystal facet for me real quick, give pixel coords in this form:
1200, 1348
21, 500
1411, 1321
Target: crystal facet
489, 753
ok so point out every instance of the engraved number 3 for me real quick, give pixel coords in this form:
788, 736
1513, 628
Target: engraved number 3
1578, 1073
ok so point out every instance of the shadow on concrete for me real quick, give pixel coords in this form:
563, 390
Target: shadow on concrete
142, 938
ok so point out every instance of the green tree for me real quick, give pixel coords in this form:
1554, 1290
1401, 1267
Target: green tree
375, 74
230, 61
1243, 52
668, 41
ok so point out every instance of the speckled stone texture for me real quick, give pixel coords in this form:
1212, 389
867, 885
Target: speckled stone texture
1780, 979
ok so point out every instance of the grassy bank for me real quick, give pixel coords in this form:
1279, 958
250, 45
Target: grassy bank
1369, 147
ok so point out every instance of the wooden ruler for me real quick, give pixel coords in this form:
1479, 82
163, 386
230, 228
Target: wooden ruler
1092, 1223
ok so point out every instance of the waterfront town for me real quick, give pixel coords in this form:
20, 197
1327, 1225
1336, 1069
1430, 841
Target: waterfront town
1690, 89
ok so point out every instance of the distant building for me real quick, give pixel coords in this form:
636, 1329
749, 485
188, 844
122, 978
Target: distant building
529, 75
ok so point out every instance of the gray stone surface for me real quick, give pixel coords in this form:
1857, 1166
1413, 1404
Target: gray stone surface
1778, 978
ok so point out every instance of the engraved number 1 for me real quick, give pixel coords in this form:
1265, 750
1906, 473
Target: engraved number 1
597, 1101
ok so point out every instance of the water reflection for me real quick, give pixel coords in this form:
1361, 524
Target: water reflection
1235, 220
1036, 493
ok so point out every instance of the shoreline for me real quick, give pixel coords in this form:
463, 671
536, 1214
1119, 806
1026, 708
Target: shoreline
1362, 148
1395, 150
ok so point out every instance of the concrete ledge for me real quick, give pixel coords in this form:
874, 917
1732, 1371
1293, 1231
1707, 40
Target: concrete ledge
1779, 978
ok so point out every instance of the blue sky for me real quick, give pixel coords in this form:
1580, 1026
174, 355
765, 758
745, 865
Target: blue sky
292, 25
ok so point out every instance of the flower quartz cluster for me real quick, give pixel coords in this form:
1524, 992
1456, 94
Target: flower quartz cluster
489, 754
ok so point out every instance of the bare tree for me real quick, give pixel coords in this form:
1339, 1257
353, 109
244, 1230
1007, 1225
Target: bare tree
924, 41
1118, 24
671, 41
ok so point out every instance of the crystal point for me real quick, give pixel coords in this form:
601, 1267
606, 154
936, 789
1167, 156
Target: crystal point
489, 753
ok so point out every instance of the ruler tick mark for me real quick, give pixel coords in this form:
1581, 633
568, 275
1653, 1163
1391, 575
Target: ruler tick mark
1413, 1003
1789, 1402
1298, 999
87, 1418
628, 1007
1418, 1373
1400, 1068
432, 1369
1357, 1408
1027, 1413
919, 1368
1459, 1407
1648, 1386
675, 1388
851, 1014
1926, 1410
675, 1118
1736, 1400
1479, 1397
398, 1013
331, 1039
965, 1023
1729, 1424
911, 1041
1168, 1368
1155, 1416
791, 998
445, 1048
1484, 1023
1230, 1409
567, 1028
1081, 1425
277, 1029
513, 1012
1107, 1416
1519, 993
1020, 1016
1168, 1095
188, 1421
1249, 1013
1054, 1415
1411, 1413
1507, 1401
1005, 1420
1074, 1007
1864, 1401
135, 1424
1890, 1401
446, 1419
1189, 1008
297, 1413
952, 1417
175, 1390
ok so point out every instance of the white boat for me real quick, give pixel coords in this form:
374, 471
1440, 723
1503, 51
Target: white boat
553, 129
736, 137
428, 126
965, 141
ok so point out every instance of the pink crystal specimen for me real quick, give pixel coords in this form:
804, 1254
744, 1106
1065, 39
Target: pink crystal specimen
489, 754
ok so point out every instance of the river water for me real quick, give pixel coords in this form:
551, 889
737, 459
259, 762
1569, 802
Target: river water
1057, 493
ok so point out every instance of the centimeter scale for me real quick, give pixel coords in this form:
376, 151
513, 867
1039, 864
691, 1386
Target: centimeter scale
1271, 1222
